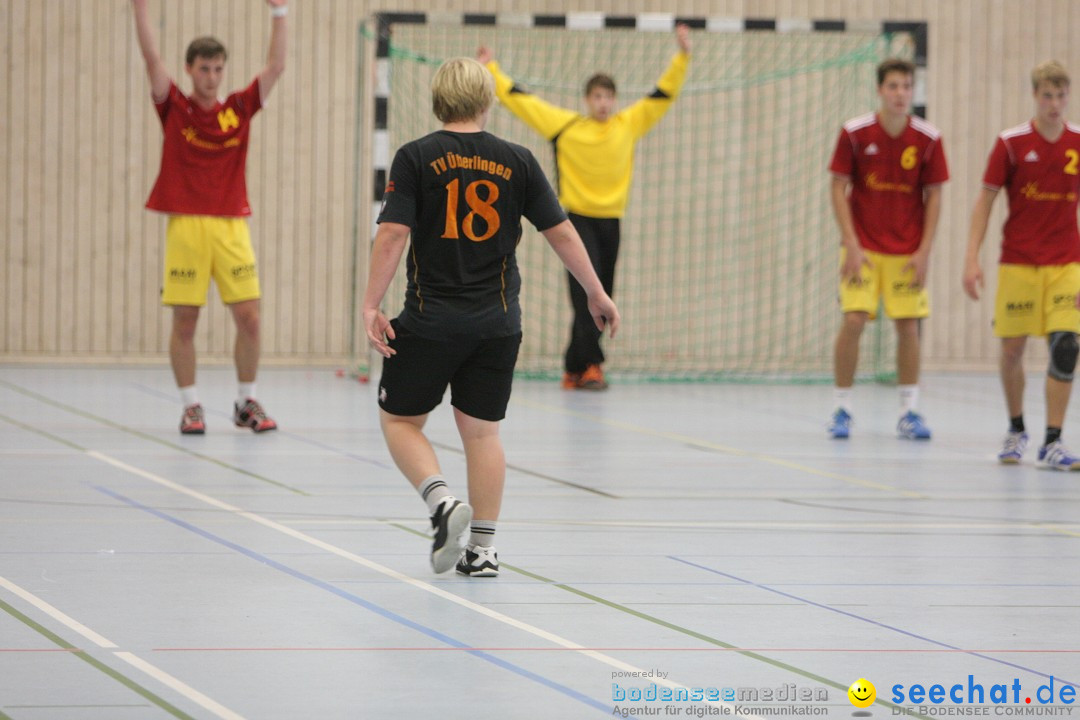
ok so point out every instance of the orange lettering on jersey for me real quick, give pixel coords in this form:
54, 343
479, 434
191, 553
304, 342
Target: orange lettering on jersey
227, 119
872, 183
1031, 191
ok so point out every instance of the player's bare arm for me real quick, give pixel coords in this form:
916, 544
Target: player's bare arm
566, 243
386, 253
275, 57
854, 257
980, 219
155, 68
682, 36
484, 55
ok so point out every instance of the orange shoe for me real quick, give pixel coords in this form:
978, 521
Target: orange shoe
251, 415
193, 422
593, 379
571, 381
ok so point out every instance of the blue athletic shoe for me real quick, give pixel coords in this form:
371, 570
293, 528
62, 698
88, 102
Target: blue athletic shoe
912, 427
1013, 448
1055, 457
840, 427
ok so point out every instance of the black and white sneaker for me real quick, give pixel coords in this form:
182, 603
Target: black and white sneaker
479, 562
450, 521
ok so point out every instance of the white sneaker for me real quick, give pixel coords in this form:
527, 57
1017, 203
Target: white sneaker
479, 562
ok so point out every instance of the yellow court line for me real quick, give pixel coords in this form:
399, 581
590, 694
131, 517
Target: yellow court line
709, 445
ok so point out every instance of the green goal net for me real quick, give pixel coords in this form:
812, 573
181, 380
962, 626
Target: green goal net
729, 259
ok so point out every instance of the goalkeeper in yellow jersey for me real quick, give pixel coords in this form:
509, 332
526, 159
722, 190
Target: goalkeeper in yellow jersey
594, 156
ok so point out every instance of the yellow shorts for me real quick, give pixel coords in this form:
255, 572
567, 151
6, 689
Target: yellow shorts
198, 247
1036, 300
884, 281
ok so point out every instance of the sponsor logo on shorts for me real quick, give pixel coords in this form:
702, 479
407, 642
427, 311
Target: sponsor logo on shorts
903, 287
243, 272
1064, 299
183, 275
382, 394
1020, 308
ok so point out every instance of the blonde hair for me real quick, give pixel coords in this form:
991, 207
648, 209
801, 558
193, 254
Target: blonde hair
1051, 72
461, 90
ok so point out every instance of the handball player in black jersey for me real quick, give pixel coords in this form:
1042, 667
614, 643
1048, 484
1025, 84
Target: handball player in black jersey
461, 193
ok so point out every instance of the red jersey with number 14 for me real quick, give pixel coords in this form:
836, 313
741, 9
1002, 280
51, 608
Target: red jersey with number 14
204, 155
888, 176
1043, 180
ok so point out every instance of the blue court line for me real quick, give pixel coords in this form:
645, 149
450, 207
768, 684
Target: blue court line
908, 633
279, 431
357, 600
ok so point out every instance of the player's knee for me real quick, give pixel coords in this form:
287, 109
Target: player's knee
1064, 350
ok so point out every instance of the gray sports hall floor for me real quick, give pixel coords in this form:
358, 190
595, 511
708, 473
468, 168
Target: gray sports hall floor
709, 536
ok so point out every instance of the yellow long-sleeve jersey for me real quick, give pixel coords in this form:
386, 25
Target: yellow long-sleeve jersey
595, 160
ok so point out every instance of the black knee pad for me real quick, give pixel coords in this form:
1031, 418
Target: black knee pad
1064, 350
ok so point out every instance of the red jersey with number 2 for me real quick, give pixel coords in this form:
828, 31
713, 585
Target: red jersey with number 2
1043, 182
888, 176
204, 155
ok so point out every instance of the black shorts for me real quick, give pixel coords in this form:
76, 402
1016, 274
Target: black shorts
479, 373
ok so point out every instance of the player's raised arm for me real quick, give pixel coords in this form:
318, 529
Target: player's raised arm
275, 58
647, 111
159, 76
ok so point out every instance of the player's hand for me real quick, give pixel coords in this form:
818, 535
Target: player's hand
604, 313
483, 55
853, 263
973, 279
378, 330
682, 36
918, 263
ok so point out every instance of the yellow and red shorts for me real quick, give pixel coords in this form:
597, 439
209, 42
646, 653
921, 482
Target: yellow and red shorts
884, 281
198, 247
1036, 300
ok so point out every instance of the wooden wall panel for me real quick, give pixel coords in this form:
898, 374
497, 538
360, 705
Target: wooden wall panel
80, 148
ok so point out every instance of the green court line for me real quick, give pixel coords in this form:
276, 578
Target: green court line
144, 436
672, 626
95, 663
533, 473
42, 433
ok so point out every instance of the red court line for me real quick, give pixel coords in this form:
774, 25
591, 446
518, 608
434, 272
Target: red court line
603, 649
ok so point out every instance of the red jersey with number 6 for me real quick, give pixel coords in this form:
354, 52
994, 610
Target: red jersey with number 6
888, 176
1043, 181
204, 155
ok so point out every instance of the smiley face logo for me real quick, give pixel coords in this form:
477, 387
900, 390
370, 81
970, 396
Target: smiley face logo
862, 693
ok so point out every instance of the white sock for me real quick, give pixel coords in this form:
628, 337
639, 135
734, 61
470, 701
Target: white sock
433, 490
481, 533
189, 396
909, 398
842, 398
245, 391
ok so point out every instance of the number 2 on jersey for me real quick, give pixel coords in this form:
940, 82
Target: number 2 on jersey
1074, 159
483, 208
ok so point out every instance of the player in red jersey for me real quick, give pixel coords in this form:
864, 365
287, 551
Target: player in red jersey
1039, 273
201, 186
887, 169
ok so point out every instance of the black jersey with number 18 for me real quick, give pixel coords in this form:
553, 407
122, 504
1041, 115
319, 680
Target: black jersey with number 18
463, 196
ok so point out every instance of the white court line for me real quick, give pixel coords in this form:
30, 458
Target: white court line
158, 674
56, 614
184, 689
381, 569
